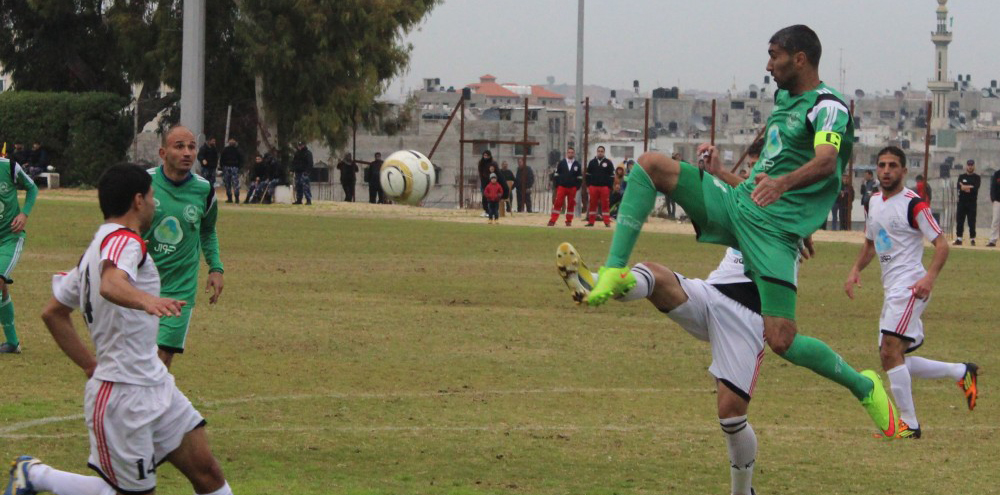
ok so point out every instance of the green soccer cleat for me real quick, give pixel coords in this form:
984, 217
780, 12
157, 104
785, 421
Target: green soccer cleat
19, 484
879, 407
574, 272
611, 283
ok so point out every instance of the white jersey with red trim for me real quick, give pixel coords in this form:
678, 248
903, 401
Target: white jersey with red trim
124, 338
730, 269
898, 226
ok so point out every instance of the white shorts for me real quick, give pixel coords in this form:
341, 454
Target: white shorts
133, 428
735, 333
901, 313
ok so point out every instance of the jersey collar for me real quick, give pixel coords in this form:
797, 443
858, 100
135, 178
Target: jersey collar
176, 183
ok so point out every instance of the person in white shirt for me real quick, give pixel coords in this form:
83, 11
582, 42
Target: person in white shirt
136, 416
897, 223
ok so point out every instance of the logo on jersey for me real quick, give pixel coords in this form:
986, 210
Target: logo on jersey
157, 203
2, 208
168, 234
792, 122
882, 241
718, 183
190, 213
4, 188
772, 148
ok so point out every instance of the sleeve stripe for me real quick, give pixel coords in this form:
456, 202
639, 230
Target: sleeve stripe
115, 246
930, 220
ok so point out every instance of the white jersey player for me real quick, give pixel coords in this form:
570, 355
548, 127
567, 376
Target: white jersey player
136, 416
723, 310
897, 223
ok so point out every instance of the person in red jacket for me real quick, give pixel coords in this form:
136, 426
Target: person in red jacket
492, 194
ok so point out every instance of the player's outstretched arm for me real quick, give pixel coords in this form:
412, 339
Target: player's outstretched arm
864, 258
824, 164
117, 288
922, 289
56, 316
714, 165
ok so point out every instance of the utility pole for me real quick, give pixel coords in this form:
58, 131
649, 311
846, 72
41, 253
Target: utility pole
193, 70
579, 73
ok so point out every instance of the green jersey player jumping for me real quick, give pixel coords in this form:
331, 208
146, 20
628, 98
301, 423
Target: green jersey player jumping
795, 182
12, 221
183, 228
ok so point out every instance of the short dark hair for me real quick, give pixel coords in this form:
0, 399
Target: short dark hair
894, 151
869, 172
799, 38
601, 148
570, 148
118, 186
920, 176
756, 147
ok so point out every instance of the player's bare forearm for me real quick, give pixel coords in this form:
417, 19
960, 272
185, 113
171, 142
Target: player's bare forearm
823, 165
116, 288
57, 319
864, 257
940, 256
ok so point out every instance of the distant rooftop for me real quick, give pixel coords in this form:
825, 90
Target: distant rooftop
487, 86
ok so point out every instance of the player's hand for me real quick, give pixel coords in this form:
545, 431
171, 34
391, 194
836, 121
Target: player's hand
807, 249
162, 306
712, 162
768, 190
17, 225
922, 289
89, 371
214, 284
853, 280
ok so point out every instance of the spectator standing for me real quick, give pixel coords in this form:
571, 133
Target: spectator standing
484, 173
524, 180
348, 176
302, 164
995, 199
492, 194
567, 178
231, 161
968, 194
38, 160
208, 157
869, 186
507, 177
842, 205
374, 180
600, 178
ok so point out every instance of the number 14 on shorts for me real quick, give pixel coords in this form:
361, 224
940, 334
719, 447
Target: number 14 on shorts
140, 466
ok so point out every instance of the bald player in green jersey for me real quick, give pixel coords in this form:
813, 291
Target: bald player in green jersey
12, 221
808, 142
183, 229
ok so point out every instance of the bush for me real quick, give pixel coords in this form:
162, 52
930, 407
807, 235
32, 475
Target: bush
83, 133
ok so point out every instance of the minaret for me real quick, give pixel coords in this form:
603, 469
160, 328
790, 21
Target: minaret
940, 85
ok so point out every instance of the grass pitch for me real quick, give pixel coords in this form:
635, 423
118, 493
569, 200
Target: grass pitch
358, 353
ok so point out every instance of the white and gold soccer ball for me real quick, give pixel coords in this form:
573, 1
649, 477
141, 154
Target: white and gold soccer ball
407, 177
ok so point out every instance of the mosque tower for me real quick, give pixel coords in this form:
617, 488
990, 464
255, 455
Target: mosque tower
940, 86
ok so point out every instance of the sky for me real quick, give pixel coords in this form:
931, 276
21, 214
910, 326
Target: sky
700, 44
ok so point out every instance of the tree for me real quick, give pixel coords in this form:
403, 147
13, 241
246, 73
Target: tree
59, 45
323, 63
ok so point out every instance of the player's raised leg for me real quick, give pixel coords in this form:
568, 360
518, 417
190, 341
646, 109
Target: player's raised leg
29, 476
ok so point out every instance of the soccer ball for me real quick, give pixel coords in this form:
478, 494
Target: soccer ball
407, 177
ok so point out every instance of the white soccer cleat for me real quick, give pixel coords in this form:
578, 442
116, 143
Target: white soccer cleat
574, 272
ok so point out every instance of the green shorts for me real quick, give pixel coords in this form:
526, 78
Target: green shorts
770, 255
174, 329
10, 253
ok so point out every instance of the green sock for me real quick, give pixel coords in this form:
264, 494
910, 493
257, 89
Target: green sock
638, 201
7, 320
816, 355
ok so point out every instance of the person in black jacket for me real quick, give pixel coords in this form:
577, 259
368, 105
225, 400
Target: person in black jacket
231, 161
21, 156
968, 194
373, 178
995, 199
302, 164
484, 173
208, 158
567, 178
600, 178
506, 176
524, 180
38, 160
257, 181
348, 176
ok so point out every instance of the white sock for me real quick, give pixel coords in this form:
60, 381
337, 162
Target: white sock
644, 283
902, 392
929, 368
742, 444
225, 490
48, 479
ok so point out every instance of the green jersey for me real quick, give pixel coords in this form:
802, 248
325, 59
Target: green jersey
183, 228
796, 126
11, 177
